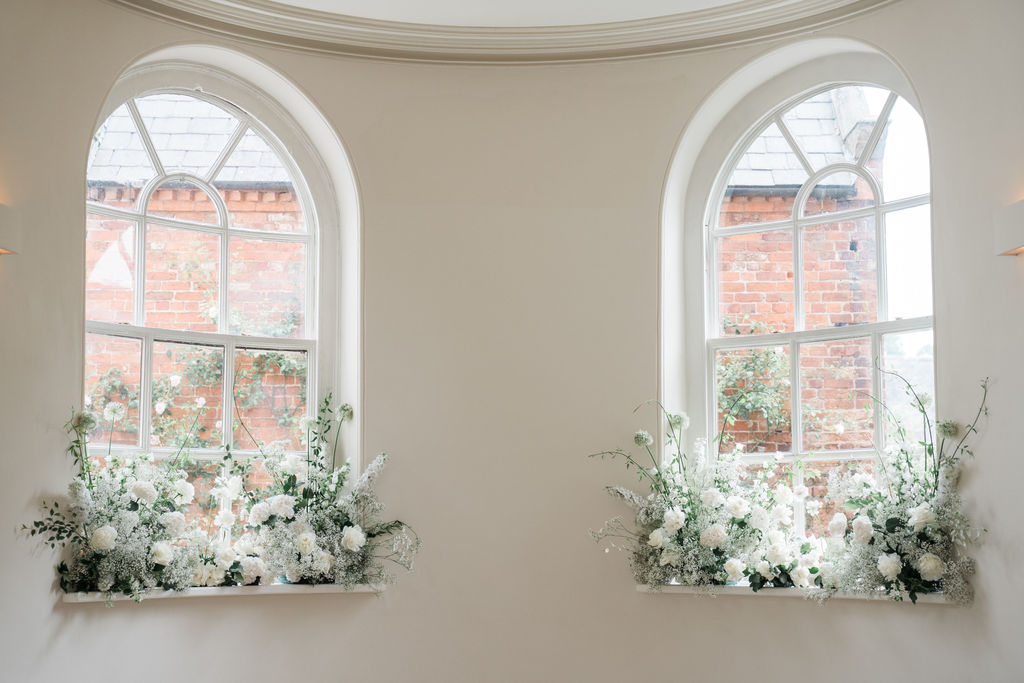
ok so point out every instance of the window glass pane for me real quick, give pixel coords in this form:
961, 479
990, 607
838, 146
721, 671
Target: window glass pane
109, 269
118, 163
754, 399
183, 201
835, 395
267, 287
182, 275
187, 395
258, 189
817, 475
764, 182
841, 191
270, 397
187, 133
908, 242
755, 282
113, 371
900, 161
840, 273
834, 126
911, 354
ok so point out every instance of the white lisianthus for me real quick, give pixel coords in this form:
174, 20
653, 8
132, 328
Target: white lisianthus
643, 438
837, 525
931, 567
737, 507
283, 506
801, 577
759, 518
889, 565
253, 569
670, 556
184, 492
143, 491
259, 513
862, 529
174, 522
103, 538
658, 538
225, 556
764, 568
162, 553
675, 518
777, 554
712, 498
921, 516
225, 518
783, 495
714, 536
353, 538
295, 465
734, 569
305, 542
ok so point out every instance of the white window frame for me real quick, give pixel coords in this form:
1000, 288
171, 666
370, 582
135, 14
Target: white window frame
331, 316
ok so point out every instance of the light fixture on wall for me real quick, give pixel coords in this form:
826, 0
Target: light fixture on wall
10, 231
1009, 229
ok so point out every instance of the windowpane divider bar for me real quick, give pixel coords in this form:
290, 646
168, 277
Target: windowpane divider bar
122, 214
740, 341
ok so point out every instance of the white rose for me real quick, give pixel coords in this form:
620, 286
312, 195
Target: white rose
921, 516
712, 498
162, 553
671, 557
737, 507
259, 513
224, 518
764, 569
674, 519
306, 542
734, 569
225, 556
714, 536
143, 491
783, 495
889, 565
175, 380
658, 538
322, 562
931, 567
103, 538
837, 525
759, 518
174, 522
352, 538
782, 514
862, 529
283, 506
801, 577
184, 492
253, 569
776, 537
777, 554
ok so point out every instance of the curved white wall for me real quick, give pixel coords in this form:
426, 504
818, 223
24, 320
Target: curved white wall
510, 245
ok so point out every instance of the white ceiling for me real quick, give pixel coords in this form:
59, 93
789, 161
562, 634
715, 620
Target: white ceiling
509, 13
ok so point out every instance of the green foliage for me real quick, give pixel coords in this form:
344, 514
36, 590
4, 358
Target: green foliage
753, 384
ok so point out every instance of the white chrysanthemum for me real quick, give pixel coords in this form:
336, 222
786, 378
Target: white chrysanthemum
143, 491
114, 412
283, 506
777, 554
103, 538
174, 522
862, 529
889, 565
783, 495
253, 569
162, 553
712, 498
921, 516
734, 569
352, 538
714, 536
675, 519
305, 542
184, 492
764, 568
658, 538
737, 507
259, 513
931, 567
837, 525
801, 577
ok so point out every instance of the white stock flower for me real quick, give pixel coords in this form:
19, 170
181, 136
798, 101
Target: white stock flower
283, 506
931, 567
143, 491
259, 513
162, 553
737, 507
225, 518
764, 568
103, 538
862, 529
921, 516
714, 536
801, 577
675, 519
889, 565
352, 538
777, 554
184, 492
305, 542
837, 525
712, 498
174, 522
734, 569
658, 538
783, 495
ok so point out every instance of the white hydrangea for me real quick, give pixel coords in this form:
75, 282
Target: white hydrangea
295, 465
253, 569
143, 491
862, 529
225, 556
103, 538
675, 519
889, 565
714, 536
184, 492
283, 506
837, 525
352, 538
305, 542
259, 513
174, 522
931, 567
225, 518
783, 495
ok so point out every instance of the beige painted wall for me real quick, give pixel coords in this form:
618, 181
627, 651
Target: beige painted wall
511, 323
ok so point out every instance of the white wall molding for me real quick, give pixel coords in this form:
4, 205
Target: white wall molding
275, 23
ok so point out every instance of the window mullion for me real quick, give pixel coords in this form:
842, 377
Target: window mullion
795, 405
228, 413
139, 301
876, 386
881, 123
145, 392
881, 267
147, 142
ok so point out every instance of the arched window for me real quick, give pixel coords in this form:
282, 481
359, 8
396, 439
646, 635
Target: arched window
818, 266
201, 280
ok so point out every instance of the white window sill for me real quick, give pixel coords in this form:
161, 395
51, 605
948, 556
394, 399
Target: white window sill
227, 591
715, 591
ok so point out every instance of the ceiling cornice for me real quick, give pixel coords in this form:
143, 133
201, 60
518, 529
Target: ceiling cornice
274, 23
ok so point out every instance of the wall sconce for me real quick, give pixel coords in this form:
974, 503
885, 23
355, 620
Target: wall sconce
10, 231
1009, 229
